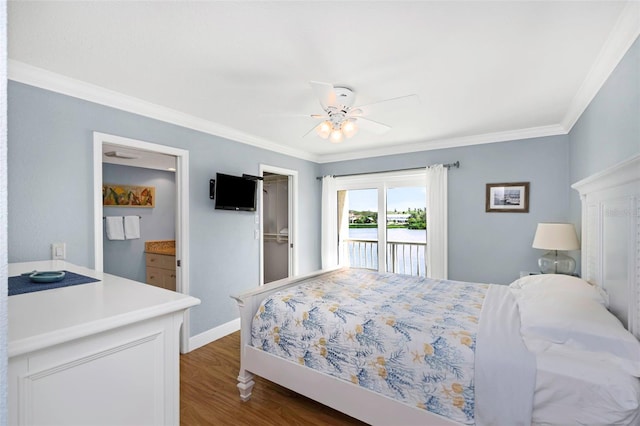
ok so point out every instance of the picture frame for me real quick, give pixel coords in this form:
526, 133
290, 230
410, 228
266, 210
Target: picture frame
512, 197
115, 195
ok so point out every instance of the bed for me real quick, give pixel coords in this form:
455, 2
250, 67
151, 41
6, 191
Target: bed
543, 375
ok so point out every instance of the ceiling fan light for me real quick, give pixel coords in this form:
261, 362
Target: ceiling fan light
349, 128
324, 129
336, 136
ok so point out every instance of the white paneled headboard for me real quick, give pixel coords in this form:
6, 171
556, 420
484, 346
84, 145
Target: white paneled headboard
611, 237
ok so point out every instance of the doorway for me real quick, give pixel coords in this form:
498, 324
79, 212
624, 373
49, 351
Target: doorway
139, 213
181, 158
278, 221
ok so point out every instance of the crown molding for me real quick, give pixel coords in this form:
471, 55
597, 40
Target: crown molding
38, 77
511, 135
623, 35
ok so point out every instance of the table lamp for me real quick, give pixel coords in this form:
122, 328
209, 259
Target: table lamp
555, 237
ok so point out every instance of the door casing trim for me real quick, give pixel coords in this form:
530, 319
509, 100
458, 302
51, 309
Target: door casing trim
182, 210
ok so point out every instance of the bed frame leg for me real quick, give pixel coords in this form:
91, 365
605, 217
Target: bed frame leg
245, 385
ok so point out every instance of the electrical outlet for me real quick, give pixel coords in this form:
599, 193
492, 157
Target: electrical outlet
58, 251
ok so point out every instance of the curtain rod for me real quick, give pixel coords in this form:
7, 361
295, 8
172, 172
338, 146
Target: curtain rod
455, 165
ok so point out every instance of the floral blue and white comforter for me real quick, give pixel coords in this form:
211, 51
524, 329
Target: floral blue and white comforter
410, 338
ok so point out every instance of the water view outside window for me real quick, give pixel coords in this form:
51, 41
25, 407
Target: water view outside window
405, 228
362, 244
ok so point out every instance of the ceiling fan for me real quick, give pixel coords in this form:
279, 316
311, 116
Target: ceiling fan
342, 120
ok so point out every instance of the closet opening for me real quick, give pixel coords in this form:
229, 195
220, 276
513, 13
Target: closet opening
278, 224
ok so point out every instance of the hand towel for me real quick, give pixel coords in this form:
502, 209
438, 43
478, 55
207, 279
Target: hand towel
131, 227
114, 227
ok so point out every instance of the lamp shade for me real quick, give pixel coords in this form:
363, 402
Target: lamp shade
556, 236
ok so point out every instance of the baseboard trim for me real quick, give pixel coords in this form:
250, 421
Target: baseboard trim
213, 334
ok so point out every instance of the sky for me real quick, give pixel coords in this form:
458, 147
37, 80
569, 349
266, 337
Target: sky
399, 199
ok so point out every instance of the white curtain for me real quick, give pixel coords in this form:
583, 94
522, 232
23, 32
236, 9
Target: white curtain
437, 266
343, 227
329, 243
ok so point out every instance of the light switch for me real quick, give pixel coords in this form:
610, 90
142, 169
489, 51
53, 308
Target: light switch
58, 251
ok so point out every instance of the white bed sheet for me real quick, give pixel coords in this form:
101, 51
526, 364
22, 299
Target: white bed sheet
599, 394
505, 370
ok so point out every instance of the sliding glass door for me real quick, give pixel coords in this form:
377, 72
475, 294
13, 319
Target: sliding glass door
382, 223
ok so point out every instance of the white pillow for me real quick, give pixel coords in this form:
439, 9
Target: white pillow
601, 392
570, 353
569, 311
560, 285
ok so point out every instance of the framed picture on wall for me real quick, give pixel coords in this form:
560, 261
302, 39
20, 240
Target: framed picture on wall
128, 196
507, 197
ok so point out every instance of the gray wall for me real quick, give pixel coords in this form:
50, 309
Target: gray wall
126, 258
608, 132
490, 247
50, 180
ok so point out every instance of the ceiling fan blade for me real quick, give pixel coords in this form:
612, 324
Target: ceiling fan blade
311, 131
408, 101
372, 126
324, 92
291, 115
355, 112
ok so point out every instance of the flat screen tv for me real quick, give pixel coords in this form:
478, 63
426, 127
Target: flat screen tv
235, 193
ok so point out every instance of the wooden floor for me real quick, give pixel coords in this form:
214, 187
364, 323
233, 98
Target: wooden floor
208, 393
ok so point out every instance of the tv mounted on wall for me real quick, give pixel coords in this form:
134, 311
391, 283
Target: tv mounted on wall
235, 192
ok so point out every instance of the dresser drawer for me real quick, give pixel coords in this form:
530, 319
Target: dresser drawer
161, 270
163, 278
161, 261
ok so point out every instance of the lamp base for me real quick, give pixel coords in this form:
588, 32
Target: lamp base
556, 263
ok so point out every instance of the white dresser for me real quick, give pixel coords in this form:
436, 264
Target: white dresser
105, 353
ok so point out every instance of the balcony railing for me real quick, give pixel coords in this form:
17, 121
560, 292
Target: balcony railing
403, 257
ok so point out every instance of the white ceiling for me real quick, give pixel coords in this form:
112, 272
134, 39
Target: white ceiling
483, 71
